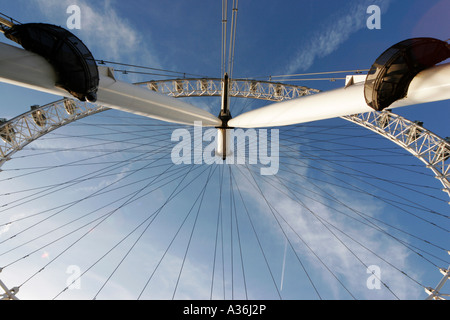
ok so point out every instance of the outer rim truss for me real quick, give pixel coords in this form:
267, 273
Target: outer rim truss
241, 88
16, 133
429, 148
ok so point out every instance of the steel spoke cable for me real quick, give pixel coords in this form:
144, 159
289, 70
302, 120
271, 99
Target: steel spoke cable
361, 176
176, 233
338, 151
334, 235
348, 158
396, 183
339, 154
367, 218
109, 153
242, 106
232, 188
314, 146
107, 141
358, 212
91, 179
288, 77
314, 141
222, 242
231, 238
83, 162
85, 234
224, 36
88, 223
98, 136
62, 186
130, 199
364, 175
362, 161
333, 134
152, 133
308, 179
363, 246
64, 208
113, 127
100, 190
333, 169
53, 150
109, 162
110, 168
211, 171
218, 224
100, 154
383, 259
84, 198
378, 256
307, 246
134, 200
272, 209
128, 140
102, 129
255, 233
354, 163
96, 210
145, 67
172, 240
140, 235
311, 142
395, 204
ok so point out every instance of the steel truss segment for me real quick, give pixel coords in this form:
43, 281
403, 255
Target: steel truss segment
239, 88
16, 133
9, 294
431, 149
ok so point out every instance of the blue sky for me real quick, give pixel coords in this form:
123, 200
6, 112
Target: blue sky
273, 38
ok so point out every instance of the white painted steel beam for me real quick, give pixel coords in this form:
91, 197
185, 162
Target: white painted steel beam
26, 69
430, 85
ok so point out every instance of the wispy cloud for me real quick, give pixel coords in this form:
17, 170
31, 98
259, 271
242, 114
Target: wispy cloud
315, 230
108, 34
335, 33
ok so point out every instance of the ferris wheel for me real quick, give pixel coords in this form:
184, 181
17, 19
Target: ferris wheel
256, 226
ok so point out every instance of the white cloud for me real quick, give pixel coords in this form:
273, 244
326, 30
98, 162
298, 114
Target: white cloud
107, 34
327, 233
335, 33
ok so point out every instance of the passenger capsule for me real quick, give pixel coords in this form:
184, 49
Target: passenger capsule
38, 116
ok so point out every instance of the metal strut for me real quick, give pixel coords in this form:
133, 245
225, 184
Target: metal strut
10, 294
224, 116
